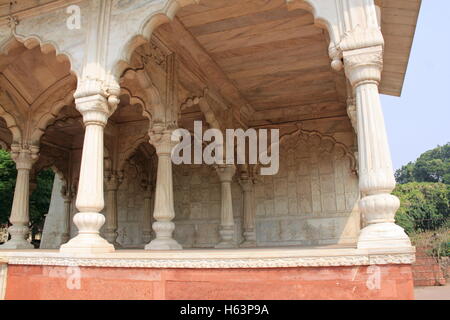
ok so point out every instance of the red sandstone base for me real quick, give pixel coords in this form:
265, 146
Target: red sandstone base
61, 283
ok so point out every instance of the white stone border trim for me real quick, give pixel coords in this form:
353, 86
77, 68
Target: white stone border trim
215, 259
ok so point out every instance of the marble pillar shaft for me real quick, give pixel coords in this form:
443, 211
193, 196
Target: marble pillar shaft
164, 211
90, 199
226, 232
376, 175
20, 216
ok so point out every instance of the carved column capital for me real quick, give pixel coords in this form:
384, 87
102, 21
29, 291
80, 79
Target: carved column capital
113, 180
95, 101
24, 157
246, 183
364, 65
161, 139
148, 188
95, 109
67, 193
225, 172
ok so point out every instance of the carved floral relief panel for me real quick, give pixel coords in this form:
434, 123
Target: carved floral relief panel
197, 198
313, 198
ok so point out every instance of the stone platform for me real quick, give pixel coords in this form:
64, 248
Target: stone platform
278, 273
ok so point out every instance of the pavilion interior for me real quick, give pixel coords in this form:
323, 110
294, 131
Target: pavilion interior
262, 67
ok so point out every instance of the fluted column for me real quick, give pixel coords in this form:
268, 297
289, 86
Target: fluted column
249, 212
376, 175
164, 207
67, 196
20, 218
96, 109
148, 213
112, 182
226, 173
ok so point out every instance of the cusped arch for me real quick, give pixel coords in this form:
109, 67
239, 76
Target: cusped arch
323, 11
136, 100
324, 141
46, 47
131, 148
145, 31
37, 118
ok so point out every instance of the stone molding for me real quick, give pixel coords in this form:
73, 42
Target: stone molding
223, 259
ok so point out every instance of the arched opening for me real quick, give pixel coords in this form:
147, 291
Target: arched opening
7, 179
260, 67
136, 196
61, 148
37, 87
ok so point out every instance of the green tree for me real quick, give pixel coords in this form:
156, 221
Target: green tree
424, 191
8, 175
425, 206
431, 166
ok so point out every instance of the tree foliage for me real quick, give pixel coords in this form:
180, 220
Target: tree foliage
432, 166
39, 199
424, 191
8, 175
425, 206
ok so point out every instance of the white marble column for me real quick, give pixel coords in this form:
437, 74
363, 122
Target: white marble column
249, 211
20, 218
376, 175
226, 173
148, 213
90, 199
164, 207
112, 182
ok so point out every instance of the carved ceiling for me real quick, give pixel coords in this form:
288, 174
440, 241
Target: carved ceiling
275, 57
267, 64
31, 72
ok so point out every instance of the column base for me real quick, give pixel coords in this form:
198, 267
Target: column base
147, 237
248, 244
112, 239
87, 243
383, 235
65, 238
163, 244
226, 245
16, 245
227, 235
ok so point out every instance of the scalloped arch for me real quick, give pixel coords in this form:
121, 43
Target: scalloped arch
124, 155
150, 24
32, 41
298, 133
138, 100
320, 20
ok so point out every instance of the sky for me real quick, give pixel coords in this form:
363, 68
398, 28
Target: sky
420, 119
